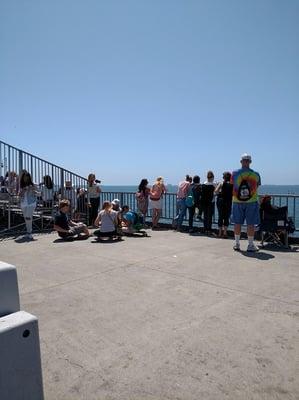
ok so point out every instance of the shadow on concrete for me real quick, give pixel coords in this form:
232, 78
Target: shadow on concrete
24, 239
71, 239
107, 241
259, 255
275, 248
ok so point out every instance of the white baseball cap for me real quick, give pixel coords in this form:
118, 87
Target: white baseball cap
246, 156
115, 202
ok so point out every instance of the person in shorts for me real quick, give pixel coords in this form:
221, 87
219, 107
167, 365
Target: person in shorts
66, 228
245, 206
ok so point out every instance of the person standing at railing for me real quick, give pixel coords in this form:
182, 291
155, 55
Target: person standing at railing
224, 192
245, 201
28, 198
181, 207
208, 202
142, 197
193, 200
47, 192
71, 195
156, 195
93, 198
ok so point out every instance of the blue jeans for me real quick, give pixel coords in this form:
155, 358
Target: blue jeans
180, 212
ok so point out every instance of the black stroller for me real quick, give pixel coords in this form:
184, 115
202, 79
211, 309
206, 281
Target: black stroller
275, 225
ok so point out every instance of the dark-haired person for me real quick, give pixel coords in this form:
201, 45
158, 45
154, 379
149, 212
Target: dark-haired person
93, 198
66, 228
47, 192
208, 202
195, 191
245, 201
142, 197
28, 199
224, 192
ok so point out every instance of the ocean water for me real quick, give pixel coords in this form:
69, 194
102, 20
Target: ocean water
279, 190
264, 189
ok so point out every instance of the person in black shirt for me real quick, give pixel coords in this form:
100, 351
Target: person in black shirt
68, 229
208, 202
196, 190
224, 191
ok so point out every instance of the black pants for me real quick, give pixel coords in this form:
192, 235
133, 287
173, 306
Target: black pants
208, 212
93, 211
224, 211
98, 233
191, 211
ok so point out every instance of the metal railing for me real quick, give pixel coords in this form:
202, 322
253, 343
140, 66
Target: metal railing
169, 205
15, 160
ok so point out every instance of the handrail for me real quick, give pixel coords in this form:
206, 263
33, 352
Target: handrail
40, 159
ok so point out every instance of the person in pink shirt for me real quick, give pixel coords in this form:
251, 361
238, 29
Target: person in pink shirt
181, 206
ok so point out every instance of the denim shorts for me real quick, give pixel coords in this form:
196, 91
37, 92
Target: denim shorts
246, 211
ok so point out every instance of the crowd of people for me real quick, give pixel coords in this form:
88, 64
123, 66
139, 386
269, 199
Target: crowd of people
236, 199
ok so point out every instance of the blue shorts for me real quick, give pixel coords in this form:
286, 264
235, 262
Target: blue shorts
246, 211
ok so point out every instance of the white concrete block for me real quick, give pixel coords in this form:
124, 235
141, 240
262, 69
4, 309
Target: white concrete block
9, 291
20, 362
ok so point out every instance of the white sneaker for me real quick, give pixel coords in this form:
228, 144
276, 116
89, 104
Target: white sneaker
252, 248
237, 247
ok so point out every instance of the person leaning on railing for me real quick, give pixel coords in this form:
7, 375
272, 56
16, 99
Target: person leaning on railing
156, 195
142, 197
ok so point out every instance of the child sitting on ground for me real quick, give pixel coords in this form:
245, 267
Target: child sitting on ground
66, 228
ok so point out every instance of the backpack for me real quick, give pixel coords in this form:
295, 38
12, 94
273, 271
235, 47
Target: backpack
244, 192
190, 198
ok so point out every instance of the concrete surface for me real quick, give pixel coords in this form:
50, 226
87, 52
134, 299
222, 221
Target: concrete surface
171, 316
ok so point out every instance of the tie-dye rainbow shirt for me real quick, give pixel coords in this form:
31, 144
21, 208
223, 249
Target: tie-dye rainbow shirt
251, 177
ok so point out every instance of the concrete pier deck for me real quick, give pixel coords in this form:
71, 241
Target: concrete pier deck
171, 316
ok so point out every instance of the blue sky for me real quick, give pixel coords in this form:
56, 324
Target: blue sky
132, 89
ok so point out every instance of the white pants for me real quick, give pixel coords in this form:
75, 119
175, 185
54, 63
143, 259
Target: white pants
28, 210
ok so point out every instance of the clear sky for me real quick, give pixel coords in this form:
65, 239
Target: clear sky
134, 88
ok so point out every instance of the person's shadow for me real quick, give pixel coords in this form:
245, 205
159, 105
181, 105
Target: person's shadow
24, 239
259, 255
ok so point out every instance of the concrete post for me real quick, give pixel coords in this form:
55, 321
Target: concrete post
20, 362
9, 291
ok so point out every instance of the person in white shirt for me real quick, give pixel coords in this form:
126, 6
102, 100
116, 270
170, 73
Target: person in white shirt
93, 197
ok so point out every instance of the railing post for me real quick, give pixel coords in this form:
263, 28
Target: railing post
62, 182
20, 161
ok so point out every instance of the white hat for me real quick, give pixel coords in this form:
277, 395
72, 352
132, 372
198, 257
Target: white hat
115, 202
245, 156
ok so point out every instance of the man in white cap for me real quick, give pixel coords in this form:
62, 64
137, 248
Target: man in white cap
116, 205
245, 201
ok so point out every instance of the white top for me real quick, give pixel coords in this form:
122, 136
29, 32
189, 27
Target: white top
108, 220
47, 194
93, 191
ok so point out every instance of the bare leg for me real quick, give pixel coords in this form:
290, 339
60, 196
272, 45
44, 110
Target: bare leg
250, 230
154, 217
158, 216
237, 230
